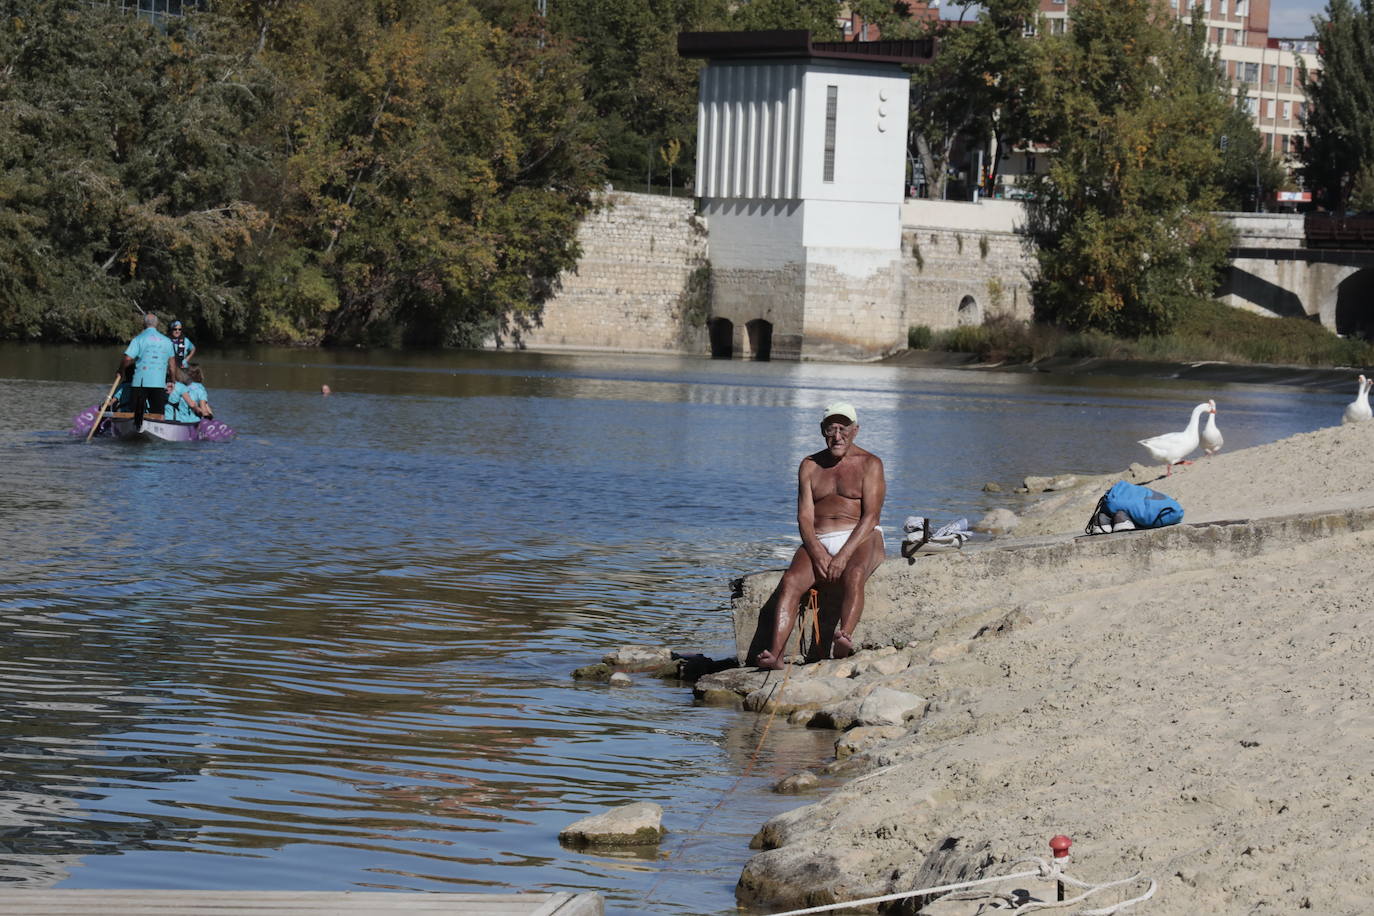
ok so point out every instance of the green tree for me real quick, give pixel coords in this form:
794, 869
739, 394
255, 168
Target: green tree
124, 153
819, 17
640, 91
1249, 174
1123, 221
1339, 122
978, 88
435, 170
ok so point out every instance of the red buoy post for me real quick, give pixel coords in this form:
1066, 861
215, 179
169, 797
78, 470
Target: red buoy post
1059, 845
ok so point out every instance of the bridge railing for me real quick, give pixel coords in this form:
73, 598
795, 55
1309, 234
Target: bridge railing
1324, 230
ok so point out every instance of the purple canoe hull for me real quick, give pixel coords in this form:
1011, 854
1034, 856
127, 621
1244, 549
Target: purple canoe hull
152, 430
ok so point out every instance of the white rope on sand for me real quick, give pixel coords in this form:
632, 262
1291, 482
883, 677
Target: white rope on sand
1047, 870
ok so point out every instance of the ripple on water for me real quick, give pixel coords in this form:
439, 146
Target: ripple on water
335, 652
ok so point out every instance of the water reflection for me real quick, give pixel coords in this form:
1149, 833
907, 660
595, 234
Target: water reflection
334, 653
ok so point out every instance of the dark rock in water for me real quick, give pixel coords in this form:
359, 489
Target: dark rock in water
739, 681
637, 824
597, 672
992, 487
804, 781
672, 671
638, 658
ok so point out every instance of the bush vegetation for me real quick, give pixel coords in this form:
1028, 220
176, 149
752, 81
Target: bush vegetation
1206, 331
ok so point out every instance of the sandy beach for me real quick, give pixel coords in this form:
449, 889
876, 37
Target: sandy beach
1206, 724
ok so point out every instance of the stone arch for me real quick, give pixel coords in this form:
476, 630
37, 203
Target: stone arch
1355, 305
970, 312
722, 334
760, 334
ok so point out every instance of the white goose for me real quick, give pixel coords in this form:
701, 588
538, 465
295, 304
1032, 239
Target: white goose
1172, 448
1358, 409
1211, 436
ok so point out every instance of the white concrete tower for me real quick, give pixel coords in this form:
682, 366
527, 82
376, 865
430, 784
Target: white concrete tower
801, 159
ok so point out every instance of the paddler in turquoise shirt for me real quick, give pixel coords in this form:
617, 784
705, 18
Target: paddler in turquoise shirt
151, 355
178, 408
187, 399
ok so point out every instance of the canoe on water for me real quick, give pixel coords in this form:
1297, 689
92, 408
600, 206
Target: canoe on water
153, 429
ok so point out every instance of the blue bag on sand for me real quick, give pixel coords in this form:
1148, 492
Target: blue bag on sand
1147, 508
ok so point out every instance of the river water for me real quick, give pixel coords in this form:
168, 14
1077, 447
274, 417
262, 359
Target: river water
335, 653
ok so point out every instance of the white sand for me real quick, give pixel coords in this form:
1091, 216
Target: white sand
1212, 729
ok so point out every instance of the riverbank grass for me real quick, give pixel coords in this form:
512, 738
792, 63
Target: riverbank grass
1206, 331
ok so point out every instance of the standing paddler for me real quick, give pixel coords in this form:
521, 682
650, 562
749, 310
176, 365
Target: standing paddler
153, 357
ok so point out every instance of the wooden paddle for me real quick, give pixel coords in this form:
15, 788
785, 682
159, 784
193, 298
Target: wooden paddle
103, 404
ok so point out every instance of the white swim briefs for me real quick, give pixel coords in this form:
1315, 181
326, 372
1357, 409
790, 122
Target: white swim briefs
834, 541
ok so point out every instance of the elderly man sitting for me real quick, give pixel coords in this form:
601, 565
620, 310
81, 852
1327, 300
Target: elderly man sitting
840, 492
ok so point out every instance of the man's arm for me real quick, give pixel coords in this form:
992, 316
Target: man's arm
870, 511
806, 520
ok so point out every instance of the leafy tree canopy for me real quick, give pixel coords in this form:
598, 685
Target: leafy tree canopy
1249, 174
1123, 220
1340, 102
338, 171
123, 155
978, 88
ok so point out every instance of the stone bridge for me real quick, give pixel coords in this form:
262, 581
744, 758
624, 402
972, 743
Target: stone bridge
1320, 268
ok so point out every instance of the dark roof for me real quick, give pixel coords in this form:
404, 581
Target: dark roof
794, 43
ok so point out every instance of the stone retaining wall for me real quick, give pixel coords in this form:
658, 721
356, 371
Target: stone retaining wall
642, 282
963, 277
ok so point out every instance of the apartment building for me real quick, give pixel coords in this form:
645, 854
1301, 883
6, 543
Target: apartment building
1266, 65
856, 29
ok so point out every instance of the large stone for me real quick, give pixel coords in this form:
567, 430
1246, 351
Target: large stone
639, 658
857, 740
718, 696
998, 521
637, 824
796, 694
953, 860
885, 706
839, 715
803, 877
804, 781
740, 681
882, 664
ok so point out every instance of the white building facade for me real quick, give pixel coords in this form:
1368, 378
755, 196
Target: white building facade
801, 150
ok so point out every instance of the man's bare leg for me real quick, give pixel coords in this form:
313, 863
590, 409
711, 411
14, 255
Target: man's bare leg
800, 576
854, 578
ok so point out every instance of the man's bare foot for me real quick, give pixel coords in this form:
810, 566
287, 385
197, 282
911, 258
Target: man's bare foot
844, 645
766, 659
